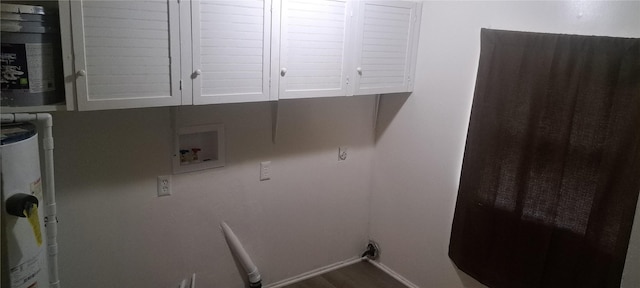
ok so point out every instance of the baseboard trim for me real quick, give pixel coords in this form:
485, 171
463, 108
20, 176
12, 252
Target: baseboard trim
392, 273
338, 265
313, 273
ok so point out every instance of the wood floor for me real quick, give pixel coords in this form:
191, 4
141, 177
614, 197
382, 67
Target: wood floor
359, 275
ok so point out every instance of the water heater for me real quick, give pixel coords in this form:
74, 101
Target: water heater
23, 239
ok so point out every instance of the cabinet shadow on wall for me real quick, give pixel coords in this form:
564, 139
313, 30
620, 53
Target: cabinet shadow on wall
128, 145
388, 107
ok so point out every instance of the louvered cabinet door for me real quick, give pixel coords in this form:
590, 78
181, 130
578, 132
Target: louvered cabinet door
231, 50
314, 41
126, 53
386, 46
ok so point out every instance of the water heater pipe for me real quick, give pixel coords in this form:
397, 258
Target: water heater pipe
50, 217
246, 262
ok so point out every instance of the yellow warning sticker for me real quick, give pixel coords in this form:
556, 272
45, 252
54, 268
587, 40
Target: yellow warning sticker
34, 220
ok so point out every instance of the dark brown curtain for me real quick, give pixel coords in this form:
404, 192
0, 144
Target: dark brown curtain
551, 168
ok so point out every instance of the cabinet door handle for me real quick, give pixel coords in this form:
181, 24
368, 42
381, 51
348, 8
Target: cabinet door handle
197, 72
359, 69
82, 72
283, 71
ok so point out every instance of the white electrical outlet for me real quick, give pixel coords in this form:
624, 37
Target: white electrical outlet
342, 153
164, 185
265, 173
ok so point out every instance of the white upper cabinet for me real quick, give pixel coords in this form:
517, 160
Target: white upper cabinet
314, 40
386, 46
230, 50
130, 54
126, 53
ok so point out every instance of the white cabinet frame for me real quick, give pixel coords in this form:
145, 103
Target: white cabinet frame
196, 71
386, 80
311, 35
282, 56
130, 99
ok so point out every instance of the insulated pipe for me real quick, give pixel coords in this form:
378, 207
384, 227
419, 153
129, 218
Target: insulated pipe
237, 249
50, 219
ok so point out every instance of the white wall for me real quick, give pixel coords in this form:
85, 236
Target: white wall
115, 232
421, 142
